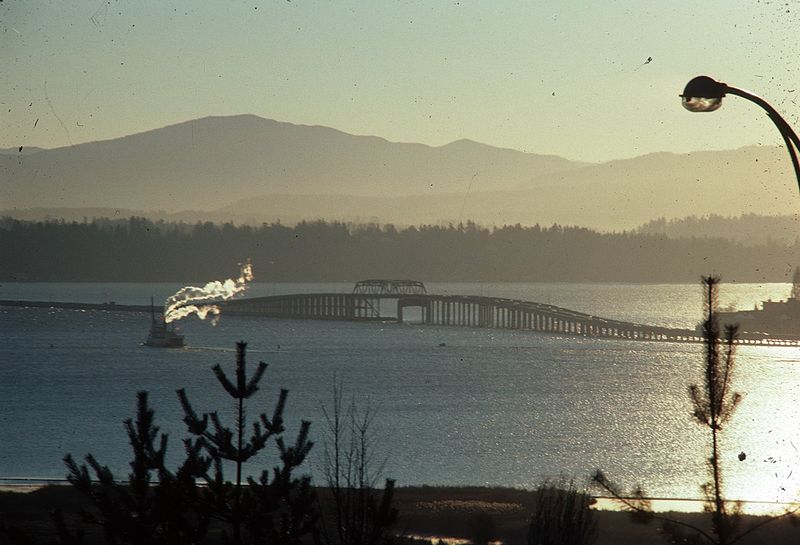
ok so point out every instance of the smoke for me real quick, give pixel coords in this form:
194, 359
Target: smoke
193, 300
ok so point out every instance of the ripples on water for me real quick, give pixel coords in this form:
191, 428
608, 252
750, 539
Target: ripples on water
488, 407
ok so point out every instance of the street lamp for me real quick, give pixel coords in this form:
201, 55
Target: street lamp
704, 94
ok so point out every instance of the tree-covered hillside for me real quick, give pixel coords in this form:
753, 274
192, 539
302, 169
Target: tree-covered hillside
140, 250
749, 229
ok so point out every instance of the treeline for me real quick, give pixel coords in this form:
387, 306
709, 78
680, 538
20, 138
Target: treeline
140, 250
749, 229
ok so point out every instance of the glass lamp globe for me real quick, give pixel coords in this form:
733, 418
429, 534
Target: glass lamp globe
701, 104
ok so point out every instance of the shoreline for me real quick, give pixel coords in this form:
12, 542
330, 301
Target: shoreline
26, 485
425, 512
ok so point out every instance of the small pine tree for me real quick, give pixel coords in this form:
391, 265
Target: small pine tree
713, 405
140, 512
268, 510
173, 509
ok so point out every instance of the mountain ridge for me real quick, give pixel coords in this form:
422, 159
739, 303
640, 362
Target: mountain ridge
216, 160
268, 169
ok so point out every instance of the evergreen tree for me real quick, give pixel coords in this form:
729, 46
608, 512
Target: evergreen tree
276, 508
713, 405
141, 512
156, 506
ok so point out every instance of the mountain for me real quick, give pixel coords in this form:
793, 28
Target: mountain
212, 162
245, 168
617, 195
750, 180
20, 151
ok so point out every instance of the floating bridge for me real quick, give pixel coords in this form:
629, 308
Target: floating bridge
452, 310
369, 300
390, 300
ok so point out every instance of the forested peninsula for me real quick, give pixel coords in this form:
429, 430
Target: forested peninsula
141, 250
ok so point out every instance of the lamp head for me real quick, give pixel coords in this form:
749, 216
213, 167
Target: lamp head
703, 94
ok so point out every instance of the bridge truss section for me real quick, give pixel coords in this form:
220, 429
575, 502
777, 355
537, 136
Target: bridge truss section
389, 287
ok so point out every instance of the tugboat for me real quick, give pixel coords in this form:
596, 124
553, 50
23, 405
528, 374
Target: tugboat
774, 318
162, 335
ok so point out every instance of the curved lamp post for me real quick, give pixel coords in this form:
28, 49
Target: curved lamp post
704, 94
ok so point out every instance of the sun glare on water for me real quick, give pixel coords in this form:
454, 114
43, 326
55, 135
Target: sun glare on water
761, 443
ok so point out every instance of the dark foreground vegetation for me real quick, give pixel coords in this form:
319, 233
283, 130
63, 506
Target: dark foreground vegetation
138, 250
424, 511
209, 497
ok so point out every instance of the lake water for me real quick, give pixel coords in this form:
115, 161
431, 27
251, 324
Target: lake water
456, 406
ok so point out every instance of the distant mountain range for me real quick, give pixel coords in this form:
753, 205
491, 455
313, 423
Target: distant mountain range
248, 168
22, 151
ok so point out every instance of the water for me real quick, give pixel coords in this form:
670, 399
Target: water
456, 406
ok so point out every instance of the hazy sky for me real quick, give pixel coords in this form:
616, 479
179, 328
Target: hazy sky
561, 77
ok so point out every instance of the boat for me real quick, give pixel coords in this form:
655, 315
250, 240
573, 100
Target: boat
162, 335
773, 318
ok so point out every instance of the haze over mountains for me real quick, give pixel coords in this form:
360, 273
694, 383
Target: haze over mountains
248, 168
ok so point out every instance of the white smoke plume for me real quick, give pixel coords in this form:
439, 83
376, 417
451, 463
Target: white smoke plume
194, 300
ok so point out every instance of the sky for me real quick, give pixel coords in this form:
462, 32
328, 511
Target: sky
589, 81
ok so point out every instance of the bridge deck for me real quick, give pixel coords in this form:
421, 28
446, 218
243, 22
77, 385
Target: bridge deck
474, 311
448, 310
